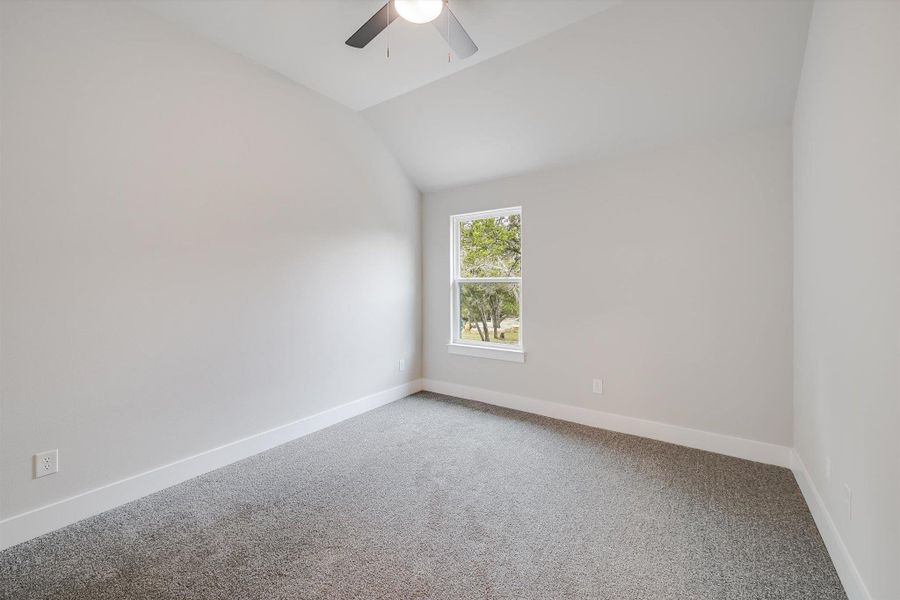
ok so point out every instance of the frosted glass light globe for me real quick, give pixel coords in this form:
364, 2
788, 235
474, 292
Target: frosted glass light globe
419, 11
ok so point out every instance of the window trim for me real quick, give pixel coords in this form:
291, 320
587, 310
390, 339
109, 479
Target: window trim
481, 349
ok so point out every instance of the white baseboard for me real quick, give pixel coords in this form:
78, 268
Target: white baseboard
28, 525
763, 452
846, 569
31, 524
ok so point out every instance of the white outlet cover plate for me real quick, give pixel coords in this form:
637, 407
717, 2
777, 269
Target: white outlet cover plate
46, 463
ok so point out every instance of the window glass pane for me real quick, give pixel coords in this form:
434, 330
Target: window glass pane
489, 312
491, 247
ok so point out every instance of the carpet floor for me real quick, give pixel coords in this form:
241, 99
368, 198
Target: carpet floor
435, 497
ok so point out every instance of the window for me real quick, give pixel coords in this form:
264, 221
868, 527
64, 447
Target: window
486, 290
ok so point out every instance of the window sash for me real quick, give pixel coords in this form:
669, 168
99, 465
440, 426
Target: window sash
456, 281
455, 221
455, 316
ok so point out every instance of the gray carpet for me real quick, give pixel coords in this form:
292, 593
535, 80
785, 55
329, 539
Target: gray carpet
432, 497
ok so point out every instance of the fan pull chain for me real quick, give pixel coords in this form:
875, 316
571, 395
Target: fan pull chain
387, 31
450, 47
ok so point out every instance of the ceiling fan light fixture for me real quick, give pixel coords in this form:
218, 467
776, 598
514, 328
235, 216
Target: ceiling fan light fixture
419, 11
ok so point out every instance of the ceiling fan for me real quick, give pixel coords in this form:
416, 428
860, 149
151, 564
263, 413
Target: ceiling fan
417, 11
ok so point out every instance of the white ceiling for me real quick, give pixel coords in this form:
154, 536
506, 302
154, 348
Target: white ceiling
304, 39
554, 82
638, 75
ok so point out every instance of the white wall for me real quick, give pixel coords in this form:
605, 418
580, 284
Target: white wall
193, 249
667, 274
847, 277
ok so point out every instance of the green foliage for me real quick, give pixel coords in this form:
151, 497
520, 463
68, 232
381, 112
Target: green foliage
491, 247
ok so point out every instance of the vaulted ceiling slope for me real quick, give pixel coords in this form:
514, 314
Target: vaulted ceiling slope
554, 81
640, 74
304, 39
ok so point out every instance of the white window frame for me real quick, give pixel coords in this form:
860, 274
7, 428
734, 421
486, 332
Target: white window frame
477, 348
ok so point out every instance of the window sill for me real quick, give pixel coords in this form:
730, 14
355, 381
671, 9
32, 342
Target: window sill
507, 354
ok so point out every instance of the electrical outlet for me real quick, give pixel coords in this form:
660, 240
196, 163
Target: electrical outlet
828, 469
46, 463
848, 498
598, 386
402, 364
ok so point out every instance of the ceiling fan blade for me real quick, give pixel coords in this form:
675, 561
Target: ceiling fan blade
457, 38
371, 28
